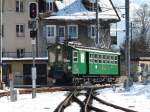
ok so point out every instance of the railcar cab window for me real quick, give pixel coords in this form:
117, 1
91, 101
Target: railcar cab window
91, 58
75, 56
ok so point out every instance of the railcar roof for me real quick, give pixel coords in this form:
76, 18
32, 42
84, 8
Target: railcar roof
92, 49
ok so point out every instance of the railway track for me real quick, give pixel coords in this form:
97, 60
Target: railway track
111, 105
66, 102
53, 89
87, 104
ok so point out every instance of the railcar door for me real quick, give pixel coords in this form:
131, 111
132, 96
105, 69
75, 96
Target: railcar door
79, 62
87, 63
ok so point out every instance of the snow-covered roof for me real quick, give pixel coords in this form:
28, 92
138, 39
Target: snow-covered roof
75, 10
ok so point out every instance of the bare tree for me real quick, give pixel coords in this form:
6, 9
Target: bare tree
140, 29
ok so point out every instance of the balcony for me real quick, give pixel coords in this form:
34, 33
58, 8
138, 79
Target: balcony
21, 55
60, 39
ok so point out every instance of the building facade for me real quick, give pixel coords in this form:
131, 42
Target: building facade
75, 20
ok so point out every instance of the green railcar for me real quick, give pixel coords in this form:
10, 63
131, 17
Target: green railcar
94, 62
84, 63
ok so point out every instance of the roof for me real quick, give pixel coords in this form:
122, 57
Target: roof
75, 10
95, 50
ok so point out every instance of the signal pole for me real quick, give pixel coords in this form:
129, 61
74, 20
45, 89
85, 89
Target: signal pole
33, 13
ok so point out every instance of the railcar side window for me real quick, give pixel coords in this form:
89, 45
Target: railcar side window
104, 58
100, 58
96, 58
116, 61
75, 56
112, 59
108, 58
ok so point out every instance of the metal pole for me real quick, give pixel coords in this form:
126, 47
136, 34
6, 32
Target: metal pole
127, 56
13, 93
33, 64
97, 25
127, 38
131, 52
33, 69
1, 45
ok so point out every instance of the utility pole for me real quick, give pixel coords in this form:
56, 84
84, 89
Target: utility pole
127, 50
131, 43
1, 43
97, 25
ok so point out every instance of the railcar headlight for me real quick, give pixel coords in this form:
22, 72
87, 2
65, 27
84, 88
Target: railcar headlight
69, 67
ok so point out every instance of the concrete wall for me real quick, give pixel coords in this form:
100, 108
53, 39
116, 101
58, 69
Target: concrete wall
10, 18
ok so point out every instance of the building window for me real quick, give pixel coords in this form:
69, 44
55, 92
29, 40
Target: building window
20, 53
3, 52
2, 1
2, 31
61, 33
20, 30
92, 7
19, 6
73, 31
51, 30
92, 31
49, 6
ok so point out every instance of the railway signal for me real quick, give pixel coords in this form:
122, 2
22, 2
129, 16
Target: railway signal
33, 10
33, 15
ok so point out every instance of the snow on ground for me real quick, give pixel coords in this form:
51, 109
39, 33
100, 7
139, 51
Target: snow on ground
44, 102
138, 98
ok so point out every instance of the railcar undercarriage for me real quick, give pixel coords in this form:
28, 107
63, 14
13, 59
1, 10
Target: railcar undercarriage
94, 80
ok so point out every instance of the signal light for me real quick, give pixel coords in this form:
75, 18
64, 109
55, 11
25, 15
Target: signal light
33, 34
33, 10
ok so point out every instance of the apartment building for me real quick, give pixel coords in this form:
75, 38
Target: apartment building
16, 44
